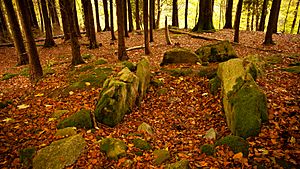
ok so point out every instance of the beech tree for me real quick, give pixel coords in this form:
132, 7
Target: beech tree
53, 13
152, 3
32, 15
84, 4
49, 42
125, 18
295, 16
263, 16
97, 15
106, 16
137, 15
237, 21
4, 34
41, 15
175, 14
228, 15
112, 31
272, 22
92, 37
205, 17
146, 31
186, 14
122, 54
75, 17
130, 16
64, 18
16, 33
36, 71
158, 15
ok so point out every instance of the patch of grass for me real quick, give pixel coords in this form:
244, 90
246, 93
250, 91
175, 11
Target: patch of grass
87, 56
48, 70
85, 68
7, 76
25, 72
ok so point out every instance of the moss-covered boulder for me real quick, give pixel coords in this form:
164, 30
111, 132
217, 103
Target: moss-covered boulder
80, 119
244, 103
60, 154
141, 144
182, 164
26, 156
218, 52
179, 55
146, 128
208, 149
130, 65
237, 144
113, 148
143, 73
160, 156
117, 98
66, 132
214, 85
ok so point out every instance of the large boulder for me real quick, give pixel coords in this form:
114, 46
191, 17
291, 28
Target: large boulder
218, 52
244, 103
179, 55
60, 154
143, 73
80, 119
117, 98
113, 148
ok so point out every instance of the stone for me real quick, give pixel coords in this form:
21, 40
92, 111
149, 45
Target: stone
130, 65
60, 154
214, 85
66, 132
237, 144
117, 98
244, 103
218, 52
145, 127
26, 156
211, 134
80, 119
208, 149
182, 164
113, 148
160, 156
143, 73
180, 55
141, 144
58, 113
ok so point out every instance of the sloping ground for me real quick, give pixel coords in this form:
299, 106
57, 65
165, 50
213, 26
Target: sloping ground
180, 111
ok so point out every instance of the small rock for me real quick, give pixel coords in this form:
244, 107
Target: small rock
182, 164
69, 131
114, 148
160, 156
146, 127
208, 149
211, 134
141, 144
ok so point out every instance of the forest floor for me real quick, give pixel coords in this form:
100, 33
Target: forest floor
180, 111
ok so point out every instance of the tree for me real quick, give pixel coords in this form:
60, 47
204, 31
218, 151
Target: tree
106, 16
228, 15
97, 15
286, 16
49, 42
205, 17
64, 18
85, 17
122, 54
237, 21
130, 16
137, 15
298, 32
125, 18
175, 14
158, 14
295, 17
33, 20
151, 19
272, 22
92, 37
276, 17
263, 16
75, 17
36, 71
146, 31
249, 2
41, 15
186, 14
16, 33
4, 34
112, 31
53, 13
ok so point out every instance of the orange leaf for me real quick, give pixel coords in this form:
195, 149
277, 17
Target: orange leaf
238, 155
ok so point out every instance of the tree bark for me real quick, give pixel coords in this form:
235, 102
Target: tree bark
53, 13
33, 19
158, 14
112, 31
130, 16
263, 16
125, 18
92, 37
137, 15
49, 42
16, 33
167, 34
64, 18
175, 14
298, 32
248, 15
256, 14
146, 31
186, 14
106, 16
295, 16
41, 15
36, 71
228, 15
286, 16
4, 33
272, 22
237, 21
85, 17
97, 15
205, 17
122, 54
75, 17
276, 17
151, 11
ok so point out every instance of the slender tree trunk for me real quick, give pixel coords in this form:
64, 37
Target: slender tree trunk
92, 37
186, 14
112, 31
263, 16
175, 14
146, 35
16, 33
151, 11
4, 33
276, 17
158, 14
32, 14
122, 54
106, 16
220, 17
41, 15
248, 16
252, 16
295, 16
130, 16
237, 21
36, 71
49, 42
75, 17
53, 14
64, 18
228, 15
168, 39
298, 32
256, 14
272, 22
85, 17
286, 16
137, 15
125, 18
97, 15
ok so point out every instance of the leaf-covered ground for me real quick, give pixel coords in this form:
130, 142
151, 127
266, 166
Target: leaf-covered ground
180, 111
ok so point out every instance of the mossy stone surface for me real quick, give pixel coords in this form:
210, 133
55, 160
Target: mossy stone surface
237, 144
143, 73
60, 154
101, 61
68, 131
7, 76
58, 113
113, 148
182, 164
80, 119
179, 55
160, 156
141, 144
207, 71
26, 156
208, 149
218, 52
214, 85
146, 128
130, 65
177, 72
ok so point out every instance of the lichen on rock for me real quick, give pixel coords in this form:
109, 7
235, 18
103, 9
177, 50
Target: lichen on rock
80, 119
180, 55
113, 148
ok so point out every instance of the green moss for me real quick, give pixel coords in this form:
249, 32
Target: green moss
131, 66
101, 61
274, 59
179, 55
26, 156
207, 71
180, 72
48, 70
160, 156
25, 72
237, 144
87, 56
58, 113
139, 153
208, 149
113, 148
214, 85
162, 91
85, 68
292, 69
7, 76
141, 144
80, 119
156, 83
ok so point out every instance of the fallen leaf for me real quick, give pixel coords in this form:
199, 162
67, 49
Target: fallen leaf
39, 95
23, 106
238, 155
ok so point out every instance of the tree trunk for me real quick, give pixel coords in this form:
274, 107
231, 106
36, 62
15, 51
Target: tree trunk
16, 33
175, 14
151, 11
92, 37
276, 17
64, 18
33, 19
228, 15
75, 17
53, 14
122, 55
112, 31
272, 22
256, 14
36, 71
49, 42
125, 18
252, 17
137, 15
298, 32
106, 16
186, 14
237, 21
146, 36
97, 15
41, 15
286, 16
85, 17
158, 15
130, 16
168, 39
248, 16
295, 17
4, 33
220, 17
263, 16
205, 17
